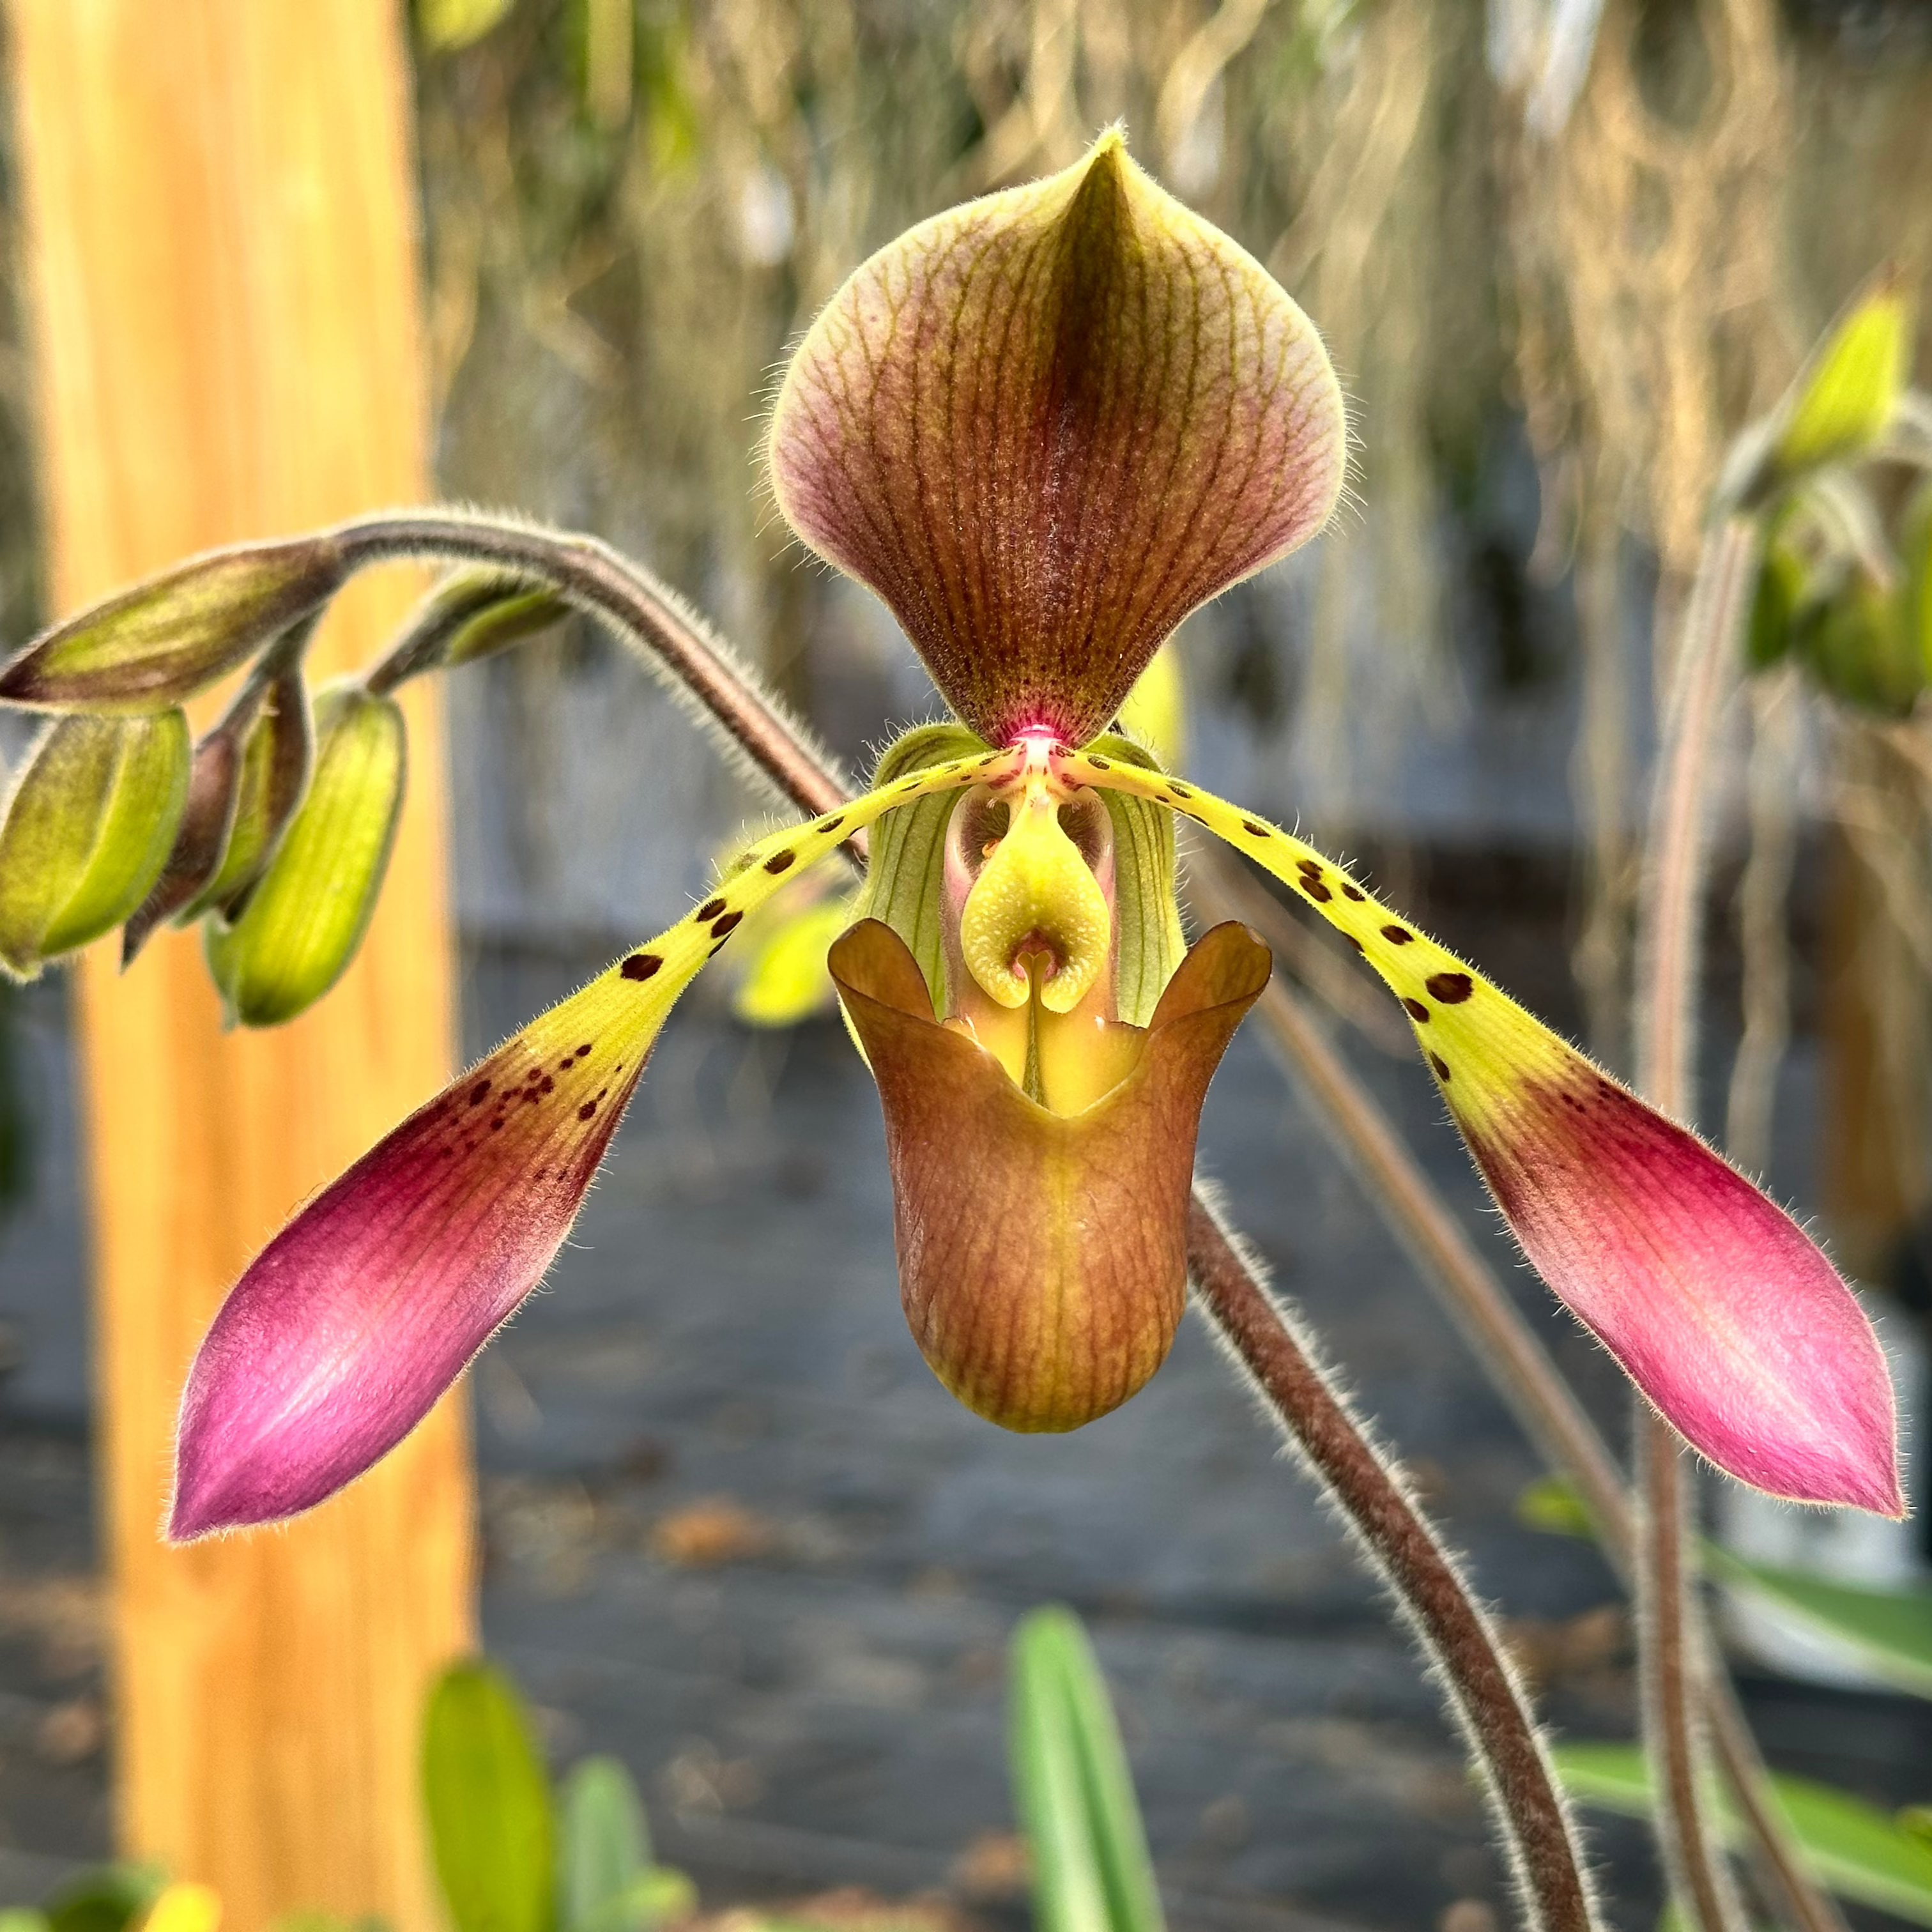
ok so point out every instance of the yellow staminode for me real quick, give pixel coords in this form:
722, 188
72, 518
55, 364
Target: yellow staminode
1037, 895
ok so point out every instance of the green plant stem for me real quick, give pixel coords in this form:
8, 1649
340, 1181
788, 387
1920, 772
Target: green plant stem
1488, 1702
1510, 1353
656, 626
1671, 1666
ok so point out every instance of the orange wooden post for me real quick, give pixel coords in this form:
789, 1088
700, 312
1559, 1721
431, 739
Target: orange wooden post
222, 256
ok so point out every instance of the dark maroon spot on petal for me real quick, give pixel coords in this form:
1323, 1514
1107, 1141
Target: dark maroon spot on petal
1313, 867
1253, 830
990, 758
1315, 889
601, 1091
1354, 942
479, 1093
641, 965
729, 923
496, 1125
710, 909
780, 862
1416, 1010
563, 1065
1099, 764
1441, 1066
1179, 789
1451, 988
549, 1085
831, 824
584, 1112
1397, 935
1351, 891
584, 1051
718, 948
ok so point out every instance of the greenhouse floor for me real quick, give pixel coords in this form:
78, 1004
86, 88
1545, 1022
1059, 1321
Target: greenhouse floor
736, 1533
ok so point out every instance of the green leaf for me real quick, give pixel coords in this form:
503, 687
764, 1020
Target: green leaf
307, 915
491, 1828
107, 1899
23, 1918
178, 633
88, 827
1860, 647
1844, 397
1074, 1791
1856, 1849
1781, 584
1888, 1631
606, 1850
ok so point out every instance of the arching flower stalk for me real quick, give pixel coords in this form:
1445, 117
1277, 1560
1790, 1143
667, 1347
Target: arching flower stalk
1043, 427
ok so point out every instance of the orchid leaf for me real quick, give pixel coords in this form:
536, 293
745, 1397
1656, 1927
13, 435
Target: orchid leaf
1857, 1850
492, 1834
1071, 1782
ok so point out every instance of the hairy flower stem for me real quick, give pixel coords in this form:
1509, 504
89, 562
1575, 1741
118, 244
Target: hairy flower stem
655, 625
1516, 1361
1489, 1704
1671, 1666
664, 633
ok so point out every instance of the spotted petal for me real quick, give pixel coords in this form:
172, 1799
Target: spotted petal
1719, 1307
1043, 1256
1045, 426
352, 1321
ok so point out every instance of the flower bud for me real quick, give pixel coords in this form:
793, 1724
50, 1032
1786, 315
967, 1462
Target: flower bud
87, 831
271, 773
178, 633
472, 614
1843, 399
1860, 648
307, 914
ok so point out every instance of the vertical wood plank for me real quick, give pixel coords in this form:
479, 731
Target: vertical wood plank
222, 273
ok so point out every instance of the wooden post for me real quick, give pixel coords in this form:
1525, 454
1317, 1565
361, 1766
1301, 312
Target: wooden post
224, 311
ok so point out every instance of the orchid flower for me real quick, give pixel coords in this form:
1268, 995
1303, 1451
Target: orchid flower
1043, 427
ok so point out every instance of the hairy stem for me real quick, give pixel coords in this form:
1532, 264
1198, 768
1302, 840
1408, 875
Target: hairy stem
1510, 1353
657, 627
670, 637
1670, 1665
1484, 1692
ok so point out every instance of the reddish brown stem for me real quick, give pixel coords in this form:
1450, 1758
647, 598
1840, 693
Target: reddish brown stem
1484, 1694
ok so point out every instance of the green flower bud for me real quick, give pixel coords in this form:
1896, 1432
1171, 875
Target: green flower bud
1782, 583
87, 831
1861, 650
307, 914
470, 615
272, 773
178, 633
1844, 398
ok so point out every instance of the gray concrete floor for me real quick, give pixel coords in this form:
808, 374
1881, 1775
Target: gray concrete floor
736, 1533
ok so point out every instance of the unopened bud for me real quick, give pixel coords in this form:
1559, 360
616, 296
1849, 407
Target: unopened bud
87, 831
1844, 398
272, 774
307, 914
1776, 604
178, 633
1860, 648
472, 614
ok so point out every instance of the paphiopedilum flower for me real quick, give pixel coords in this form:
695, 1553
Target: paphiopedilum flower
1044, 427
